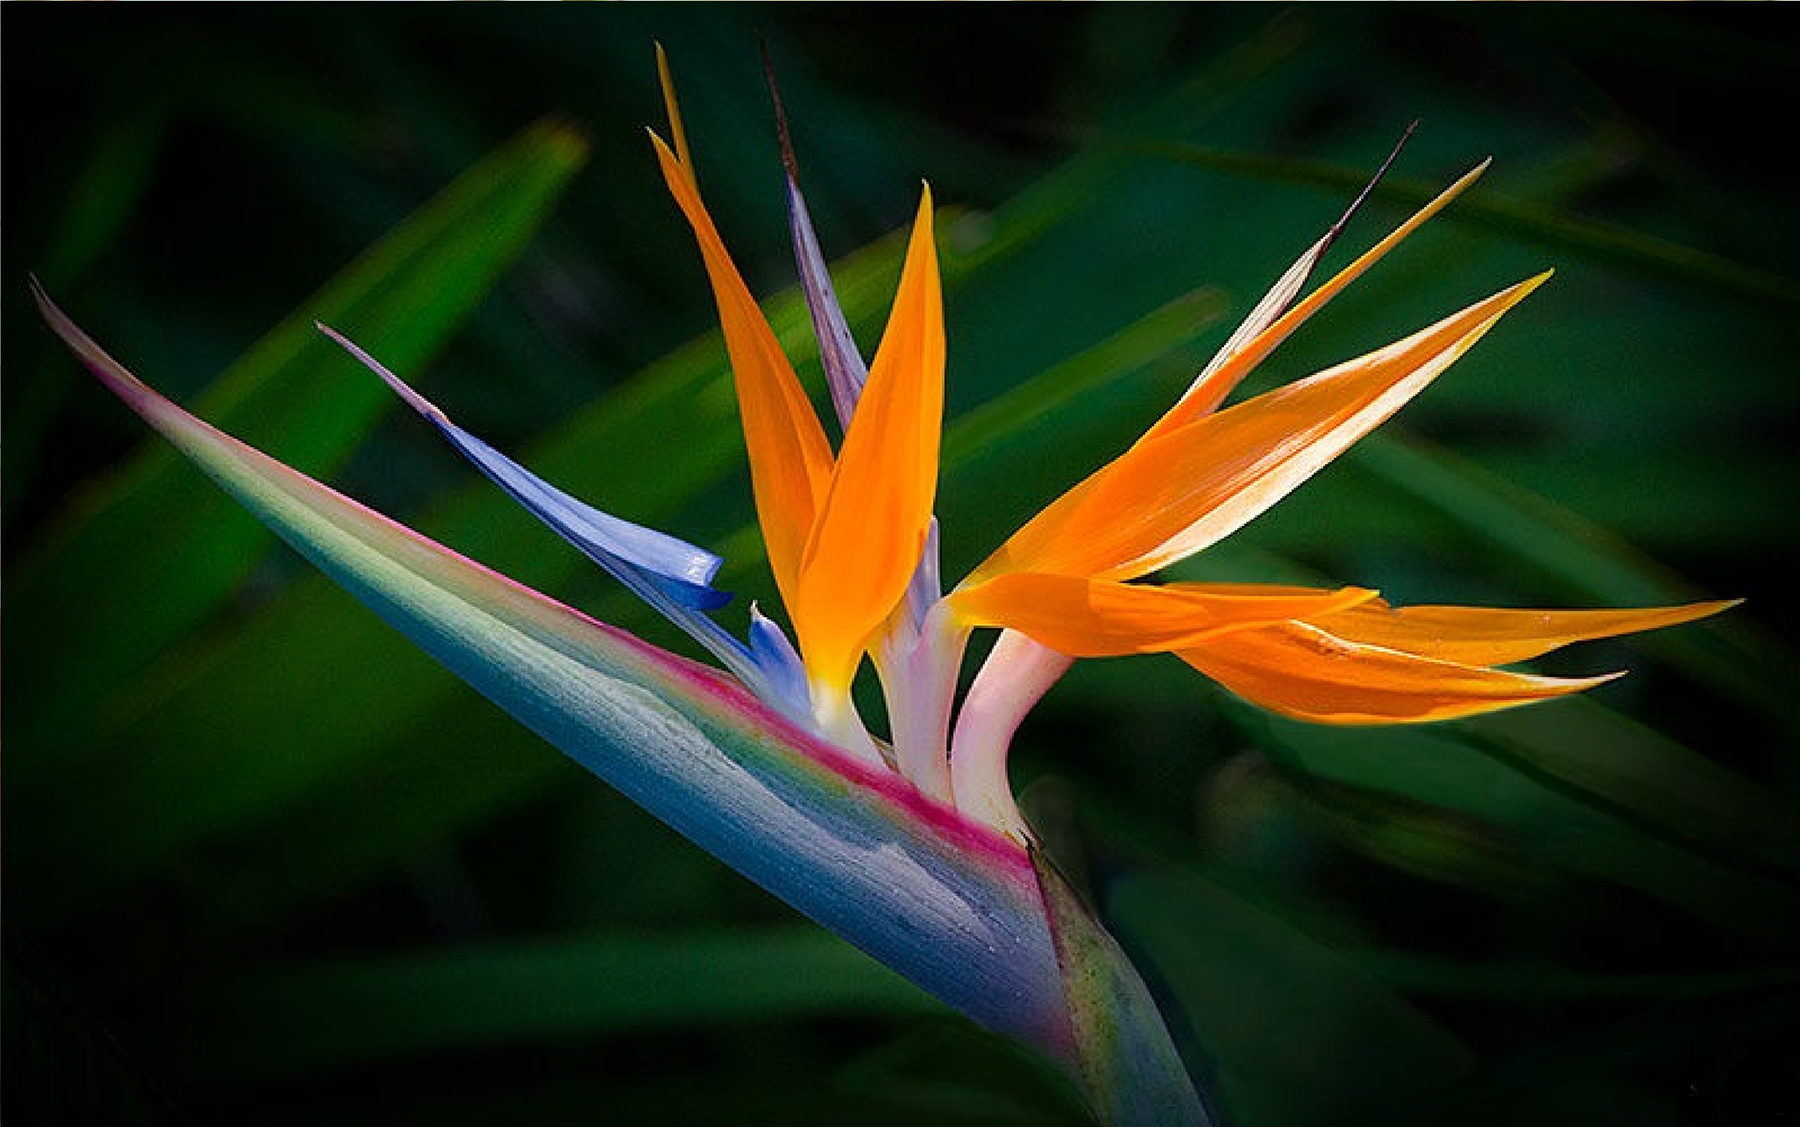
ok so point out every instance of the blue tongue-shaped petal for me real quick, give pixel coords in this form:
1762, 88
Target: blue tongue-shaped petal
845, 372
670, 574
777, 658
680, 570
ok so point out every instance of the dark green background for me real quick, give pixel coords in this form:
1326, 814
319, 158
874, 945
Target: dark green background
275, 868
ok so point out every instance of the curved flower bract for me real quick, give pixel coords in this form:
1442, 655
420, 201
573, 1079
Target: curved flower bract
910, 845
941, 898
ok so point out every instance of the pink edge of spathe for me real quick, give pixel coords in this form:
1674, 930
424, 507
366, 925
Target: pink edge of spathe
708, 682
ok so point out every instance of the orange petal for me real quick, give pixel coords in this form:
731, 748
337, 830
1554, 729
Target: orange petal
1208, 393
871, 529
1239, 358
790, 457
1100, 618
1168, 497
1496, 635
1300, 670
673, 109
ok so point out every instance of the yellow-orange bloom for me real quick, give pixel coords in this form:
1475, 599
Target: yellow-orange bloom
849, 534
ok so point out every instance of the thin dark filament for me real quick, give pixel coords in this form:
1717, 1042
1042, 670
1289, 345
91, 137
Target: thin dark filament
1344, 219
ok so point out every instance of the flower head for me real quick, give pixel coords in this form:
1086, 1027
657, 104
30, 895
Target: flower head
908, 842
850, 533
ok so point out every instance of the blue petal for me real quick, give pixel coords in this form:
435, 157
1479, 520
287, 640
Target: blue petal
668, 573
845, 372
779, 662
680, 570
677, 568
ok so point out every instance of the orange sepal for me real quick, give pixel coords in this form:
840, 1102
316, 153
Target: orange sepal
871, 528
1217, 382
790, 457
1100, 618
1300, 670
1168, 497
1497, 635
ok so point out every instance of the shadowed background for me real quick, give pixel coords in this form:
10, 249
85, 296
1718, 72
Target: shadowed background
266, 863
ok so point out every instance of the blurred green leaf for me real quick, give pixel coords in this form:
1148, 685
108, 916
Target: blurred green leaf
1530, 983
1441, 768
1586, 560
107, 191
943, 1072
104, 195
1627, 768
1289, 1033
189, 548
1027, 410
1256, 810
312, 1020
1516, 219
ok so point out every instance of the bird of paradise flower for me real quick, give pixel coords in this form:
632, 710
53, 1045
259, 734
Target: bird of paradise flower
911, 846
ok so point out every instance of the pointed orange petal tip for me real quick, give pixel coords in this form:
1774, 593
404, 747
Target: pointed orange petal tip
868, 535
673, 108
1100, 618
1177, 493
790, 457
1302, 671
1240, 357
1498, 635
